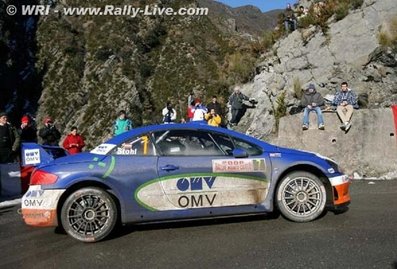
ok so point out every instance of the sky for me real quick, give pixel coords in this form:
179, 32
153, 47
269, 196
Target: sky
264, 5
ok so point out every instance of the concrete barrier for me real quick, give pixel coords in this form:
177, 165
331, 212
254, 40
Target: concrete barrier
369, 148
10, 180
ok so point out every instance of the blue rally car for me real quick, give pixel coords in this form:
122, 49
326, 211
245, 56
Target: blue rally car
175, 172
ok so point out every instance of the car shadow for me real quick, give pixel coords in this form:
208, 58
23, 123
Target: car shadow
341, 210
123, 230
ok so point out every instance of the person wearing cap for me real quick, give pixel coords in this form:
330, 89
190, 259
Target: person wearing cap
73, 142
9, 140
312, 101
49, 133
28, 130
122, 123
345, 101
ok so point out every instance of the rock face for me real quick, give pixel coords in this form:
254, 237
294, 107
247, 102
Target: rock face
348, 51
369, 148
244, 20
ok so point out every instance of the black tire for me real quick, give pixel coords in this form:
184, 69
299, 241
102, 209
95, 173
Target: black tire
301, 196
89, 214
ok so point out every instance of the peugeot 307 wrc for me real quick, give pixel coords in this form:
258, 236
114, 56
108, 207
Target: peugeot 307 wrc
175, 172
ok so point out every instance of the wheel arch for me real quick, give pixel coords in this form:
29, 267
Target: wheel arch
310, 169
87, 183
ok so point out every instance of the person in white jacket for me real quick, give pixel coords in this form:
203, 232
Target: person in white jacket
199, 111
169, 114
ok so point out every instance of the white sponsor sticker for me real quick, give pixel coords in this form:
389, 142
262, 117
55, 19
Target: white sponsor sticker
31, 156
202, 192
37, 198
103, 149
335, 181
238, 165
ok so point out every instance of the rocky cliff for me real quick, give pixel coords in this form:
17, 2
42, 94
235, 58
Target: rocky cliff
352, 49
360, 48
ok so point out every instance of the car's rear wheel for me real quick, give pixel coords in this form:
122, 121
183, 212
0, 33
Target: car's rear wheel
89, 214
301, 197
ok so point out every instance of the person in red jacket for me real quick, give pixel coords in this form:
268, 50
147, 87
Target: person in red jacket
73, 142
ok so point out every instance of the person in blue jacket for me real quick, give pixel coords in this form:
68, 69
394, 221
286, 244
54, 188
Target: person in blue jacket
122, 123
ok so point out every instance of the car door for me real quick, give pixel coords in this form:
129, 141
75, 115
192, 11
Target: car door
135, 164
197, 170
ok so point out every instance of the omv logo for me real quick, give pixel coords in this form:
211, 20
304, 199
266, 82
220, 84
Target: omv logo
195, 183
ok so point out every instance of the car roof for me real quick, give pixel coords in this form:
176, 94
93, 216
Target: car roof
181, 126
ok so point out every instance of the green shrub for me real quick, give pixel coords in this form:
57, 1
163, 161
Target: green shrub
341, 11
281, 108
355, 4
240, 67
297, 88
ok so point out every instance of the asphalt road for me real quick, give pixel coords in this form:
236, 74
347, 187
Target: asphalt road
363, 237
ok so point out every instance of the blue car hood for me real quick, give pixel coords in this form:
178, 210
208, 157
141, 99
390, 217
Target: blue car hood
295, 152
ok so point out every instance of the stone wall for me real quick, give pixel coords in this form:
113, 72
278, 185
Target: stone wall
368, 149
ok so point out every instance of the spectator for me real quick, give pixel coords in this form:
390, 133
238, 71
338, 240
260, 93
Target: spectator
199, 111
289, 19
302, 12
122, 123
312, 101
213, 118
28, 130
345, 101
190, 113
236, 103
215, 105
73, 142
49, 133
169, 114
9, 140
190, 99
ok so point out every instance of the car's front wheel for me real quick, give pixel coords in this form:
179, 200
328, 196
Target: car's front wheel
89, 214
301, 196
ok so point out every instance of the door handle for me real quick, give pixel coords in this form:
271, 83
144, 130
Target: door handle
169, 167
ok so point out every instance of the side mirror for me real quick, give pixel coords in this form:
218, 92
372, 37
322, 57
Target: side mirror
240, 153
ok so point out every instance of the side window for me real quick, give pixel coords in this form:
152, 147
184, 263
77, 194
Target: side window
186, 143
251, 149
224, 142
136, 146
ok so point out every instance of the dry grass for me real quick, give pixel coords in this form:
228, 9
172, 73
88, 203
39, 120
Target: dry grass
387, 36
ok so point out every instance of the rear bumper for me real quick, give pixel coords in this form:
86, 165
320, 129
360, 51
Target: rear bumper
340, 188
39, 207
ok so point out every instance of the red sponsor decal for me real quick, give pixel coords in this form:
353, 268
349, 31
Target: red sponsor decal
40, 217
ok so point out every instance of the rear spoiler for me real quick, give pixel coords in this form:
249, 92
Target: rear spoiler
34, 154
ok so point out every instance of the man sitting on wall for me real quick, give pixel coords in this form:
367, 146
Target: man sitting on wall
345, 101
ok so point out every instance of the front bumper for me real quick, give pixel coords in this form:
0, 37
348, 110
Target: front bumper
340, 186
39, 207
